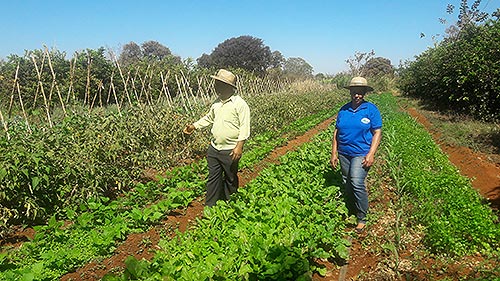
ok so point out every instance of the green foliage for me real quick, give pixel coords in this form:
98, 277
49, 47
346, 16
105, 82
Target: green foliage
83, 157
97, 226
270, 230
100, 154
245, 52
377, 66
380, 82
460, 74
455, 219
297, 68
340, 79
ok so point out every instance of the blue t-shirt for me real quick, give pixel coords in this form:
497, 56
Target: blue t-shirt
355, 127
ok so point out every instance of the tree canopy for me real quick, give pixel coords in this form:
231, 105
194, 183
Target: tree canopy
377, 66
245, 52
149, 51
297, 67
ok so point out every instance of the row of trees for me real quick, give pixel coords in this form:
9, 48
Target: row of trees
143, 73
461, 73
97, 74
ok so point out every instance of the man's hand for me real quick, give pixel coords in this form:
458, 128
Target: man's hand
189, 129
237, 151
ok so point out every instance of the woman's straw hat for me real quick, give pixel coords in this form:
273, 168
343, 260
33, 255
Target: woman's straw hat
226, 77
359, 82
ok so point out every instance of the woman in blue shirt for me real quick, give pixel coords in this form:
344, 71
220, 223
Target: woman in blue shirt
357, 135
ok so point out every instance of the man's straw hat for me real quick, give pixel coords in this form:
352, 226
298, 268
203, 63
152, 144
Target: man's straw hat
359, 82
226, 77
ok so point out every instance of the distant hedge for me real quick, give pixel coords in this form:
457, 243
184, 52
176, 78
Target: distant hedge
461, 74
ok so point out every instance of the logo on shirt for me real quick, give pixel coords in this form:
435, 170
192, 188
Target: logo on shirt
365, 121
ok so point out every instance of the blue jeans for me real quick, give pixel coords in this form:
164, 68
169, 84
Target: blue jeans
355, 193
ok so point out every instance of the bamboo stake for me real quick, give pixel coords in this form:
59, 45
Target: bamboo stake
4, 125
181, 94
141, 82
87, 87
54, 82
39, 75
24, 111
100, 93
148, 88
109, 91
12, 93
37, 87
123, 80
116, 99
134, 88
143, 85
187, 87
201, 88
137, 97
100, 87
72, 66
165, 88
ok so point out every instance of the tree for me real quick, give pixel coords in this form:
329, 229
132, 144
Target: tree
277, 60
131, 53
245, 52
467, 17
377, 66
297, 68
205, 61
148, 51
154, 50
358, 61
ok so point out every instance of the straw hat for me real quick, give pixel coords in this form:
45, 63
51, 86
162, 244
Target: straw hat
359, 82
226, 77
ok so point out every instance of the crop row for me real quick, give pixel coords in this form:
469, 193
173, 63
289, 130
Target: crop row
89, 156
272, 229
455, 218
275, 227
96, 228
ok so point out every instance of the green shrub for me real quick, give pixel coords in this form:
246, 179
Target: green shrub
460, 74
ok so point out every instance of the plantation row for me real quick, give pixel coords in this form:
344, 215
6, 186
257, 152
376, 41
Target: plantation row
96, 227
275, 226
455, 219
271, 230
292, 213
99, 154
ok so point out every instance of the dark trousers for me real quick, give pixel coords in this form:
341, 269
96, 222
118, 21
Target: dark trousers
222, 175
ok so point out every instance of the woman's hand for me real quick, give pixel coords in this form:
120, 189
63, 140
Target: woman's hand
368, 161
334, 161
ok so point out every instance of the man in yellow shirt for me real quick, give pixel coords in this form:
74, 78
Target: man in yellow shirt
230, 120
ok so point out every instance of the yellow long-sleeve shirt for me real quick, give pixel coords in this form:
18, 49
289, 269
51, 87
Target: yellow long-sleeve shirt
230, 121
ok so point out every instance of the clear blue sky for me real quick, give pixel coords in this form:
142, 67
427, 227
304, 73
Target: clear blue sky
323, 32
